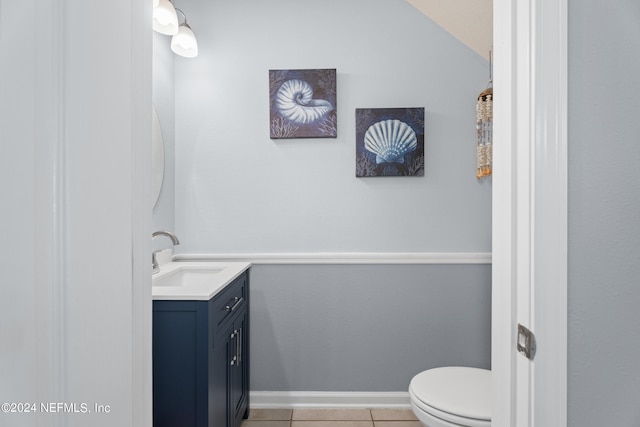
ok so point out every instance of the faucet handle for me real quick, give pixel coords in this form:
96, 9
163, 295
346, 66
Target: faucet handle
160, 257
155, 265
154, 262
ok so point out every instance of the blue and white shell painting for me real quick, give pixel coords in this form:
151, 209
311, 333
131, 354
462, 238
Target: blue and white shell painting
295, 102
389, 142
303, 103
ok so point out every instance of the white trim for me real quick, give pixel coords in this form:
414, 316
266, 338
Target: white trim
51, 204
550, 195
503, 306
141, 308
327, 399
343, 258
59, 198
530, 211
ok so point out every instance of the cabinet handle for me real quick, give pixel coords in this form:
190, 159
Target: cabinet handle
239, 345
234, 359
237, 302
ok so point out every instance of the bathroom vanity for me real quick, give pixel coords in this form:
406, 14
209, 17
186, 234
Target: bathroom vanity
201, 345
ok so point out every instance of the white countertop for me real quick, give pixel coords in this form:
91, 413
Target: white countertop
194, 280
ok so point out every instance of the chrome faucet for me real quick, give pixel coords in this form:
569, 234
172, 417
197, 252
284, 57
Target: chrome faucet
154, 262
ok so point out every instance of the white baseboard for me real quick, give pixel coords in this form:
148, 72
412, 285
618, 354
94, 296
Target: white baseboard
327, 399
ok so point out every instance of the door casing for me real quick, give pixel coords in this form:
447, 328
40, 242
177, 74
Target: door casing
529, 215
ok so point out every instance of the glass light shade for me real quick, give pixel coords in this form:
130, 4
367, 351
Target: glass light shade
184, 43
165, 19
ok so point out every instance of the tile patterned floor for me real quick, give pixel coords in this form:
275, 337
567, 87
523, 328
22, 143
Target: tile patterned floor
331, 418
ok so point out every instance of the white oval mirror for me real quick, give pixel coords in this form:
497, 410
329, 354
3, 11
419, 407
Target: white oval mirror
157, 157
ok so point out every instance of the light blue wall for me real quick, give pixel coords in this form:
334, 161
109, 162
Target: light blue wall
239, 191
328, 327
163, 99
604, 213
365, 328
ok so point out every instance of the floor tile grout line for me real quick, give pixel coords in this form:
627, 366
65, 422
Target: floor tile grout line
377, 419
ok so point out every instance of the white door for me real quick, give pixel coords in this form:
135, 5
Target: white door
530, 212
75, 293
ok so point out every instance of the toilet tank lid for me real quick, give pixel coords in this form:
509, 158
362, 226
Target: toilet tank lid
458, 390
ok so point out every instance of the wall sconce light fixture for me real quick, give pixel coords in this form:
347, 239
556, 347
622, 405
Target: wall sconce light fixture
165, 19
184, 42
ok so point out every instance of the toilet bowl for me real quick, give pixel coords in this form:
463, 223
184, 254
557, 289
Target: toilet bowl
452, 396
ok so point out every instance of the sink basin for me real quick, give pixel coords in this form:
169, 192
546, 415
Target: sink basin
196, 276
194, 280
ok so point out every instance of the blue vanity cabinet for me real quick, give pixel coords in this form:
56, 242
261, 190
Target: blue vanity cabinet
201, 359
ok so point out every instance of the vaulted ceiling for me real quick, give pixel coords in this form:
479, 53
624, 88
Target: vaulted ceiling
470, 21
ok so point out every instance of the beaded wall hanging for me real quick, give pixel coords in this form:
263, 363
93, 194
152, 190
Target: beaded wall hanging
484, 127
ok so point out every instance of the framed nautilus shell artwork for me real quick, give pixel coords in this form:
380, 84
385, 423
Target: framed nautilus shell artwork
389, 142
303, 104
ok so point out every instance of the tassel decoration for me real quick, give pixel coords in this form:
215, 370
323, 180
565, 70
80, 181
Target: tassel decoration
484, 127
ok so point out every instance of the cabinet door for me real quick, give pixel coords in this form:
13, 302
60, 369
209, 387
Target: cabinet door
178, 385
218, 386
238, 370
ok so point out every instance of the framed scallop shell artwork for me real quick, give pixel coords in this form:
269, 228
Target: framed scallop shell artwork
303, 104
389, 142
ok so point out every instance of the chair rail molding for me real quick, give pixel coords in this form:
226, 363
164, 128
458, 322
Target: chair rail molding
343, 258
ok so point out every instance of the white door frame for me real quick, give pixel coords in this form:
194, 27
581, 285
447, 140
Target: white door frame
530, 211
77, 297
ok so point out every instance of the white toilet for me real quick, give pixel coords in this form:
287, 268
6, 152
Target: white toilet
452, 396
